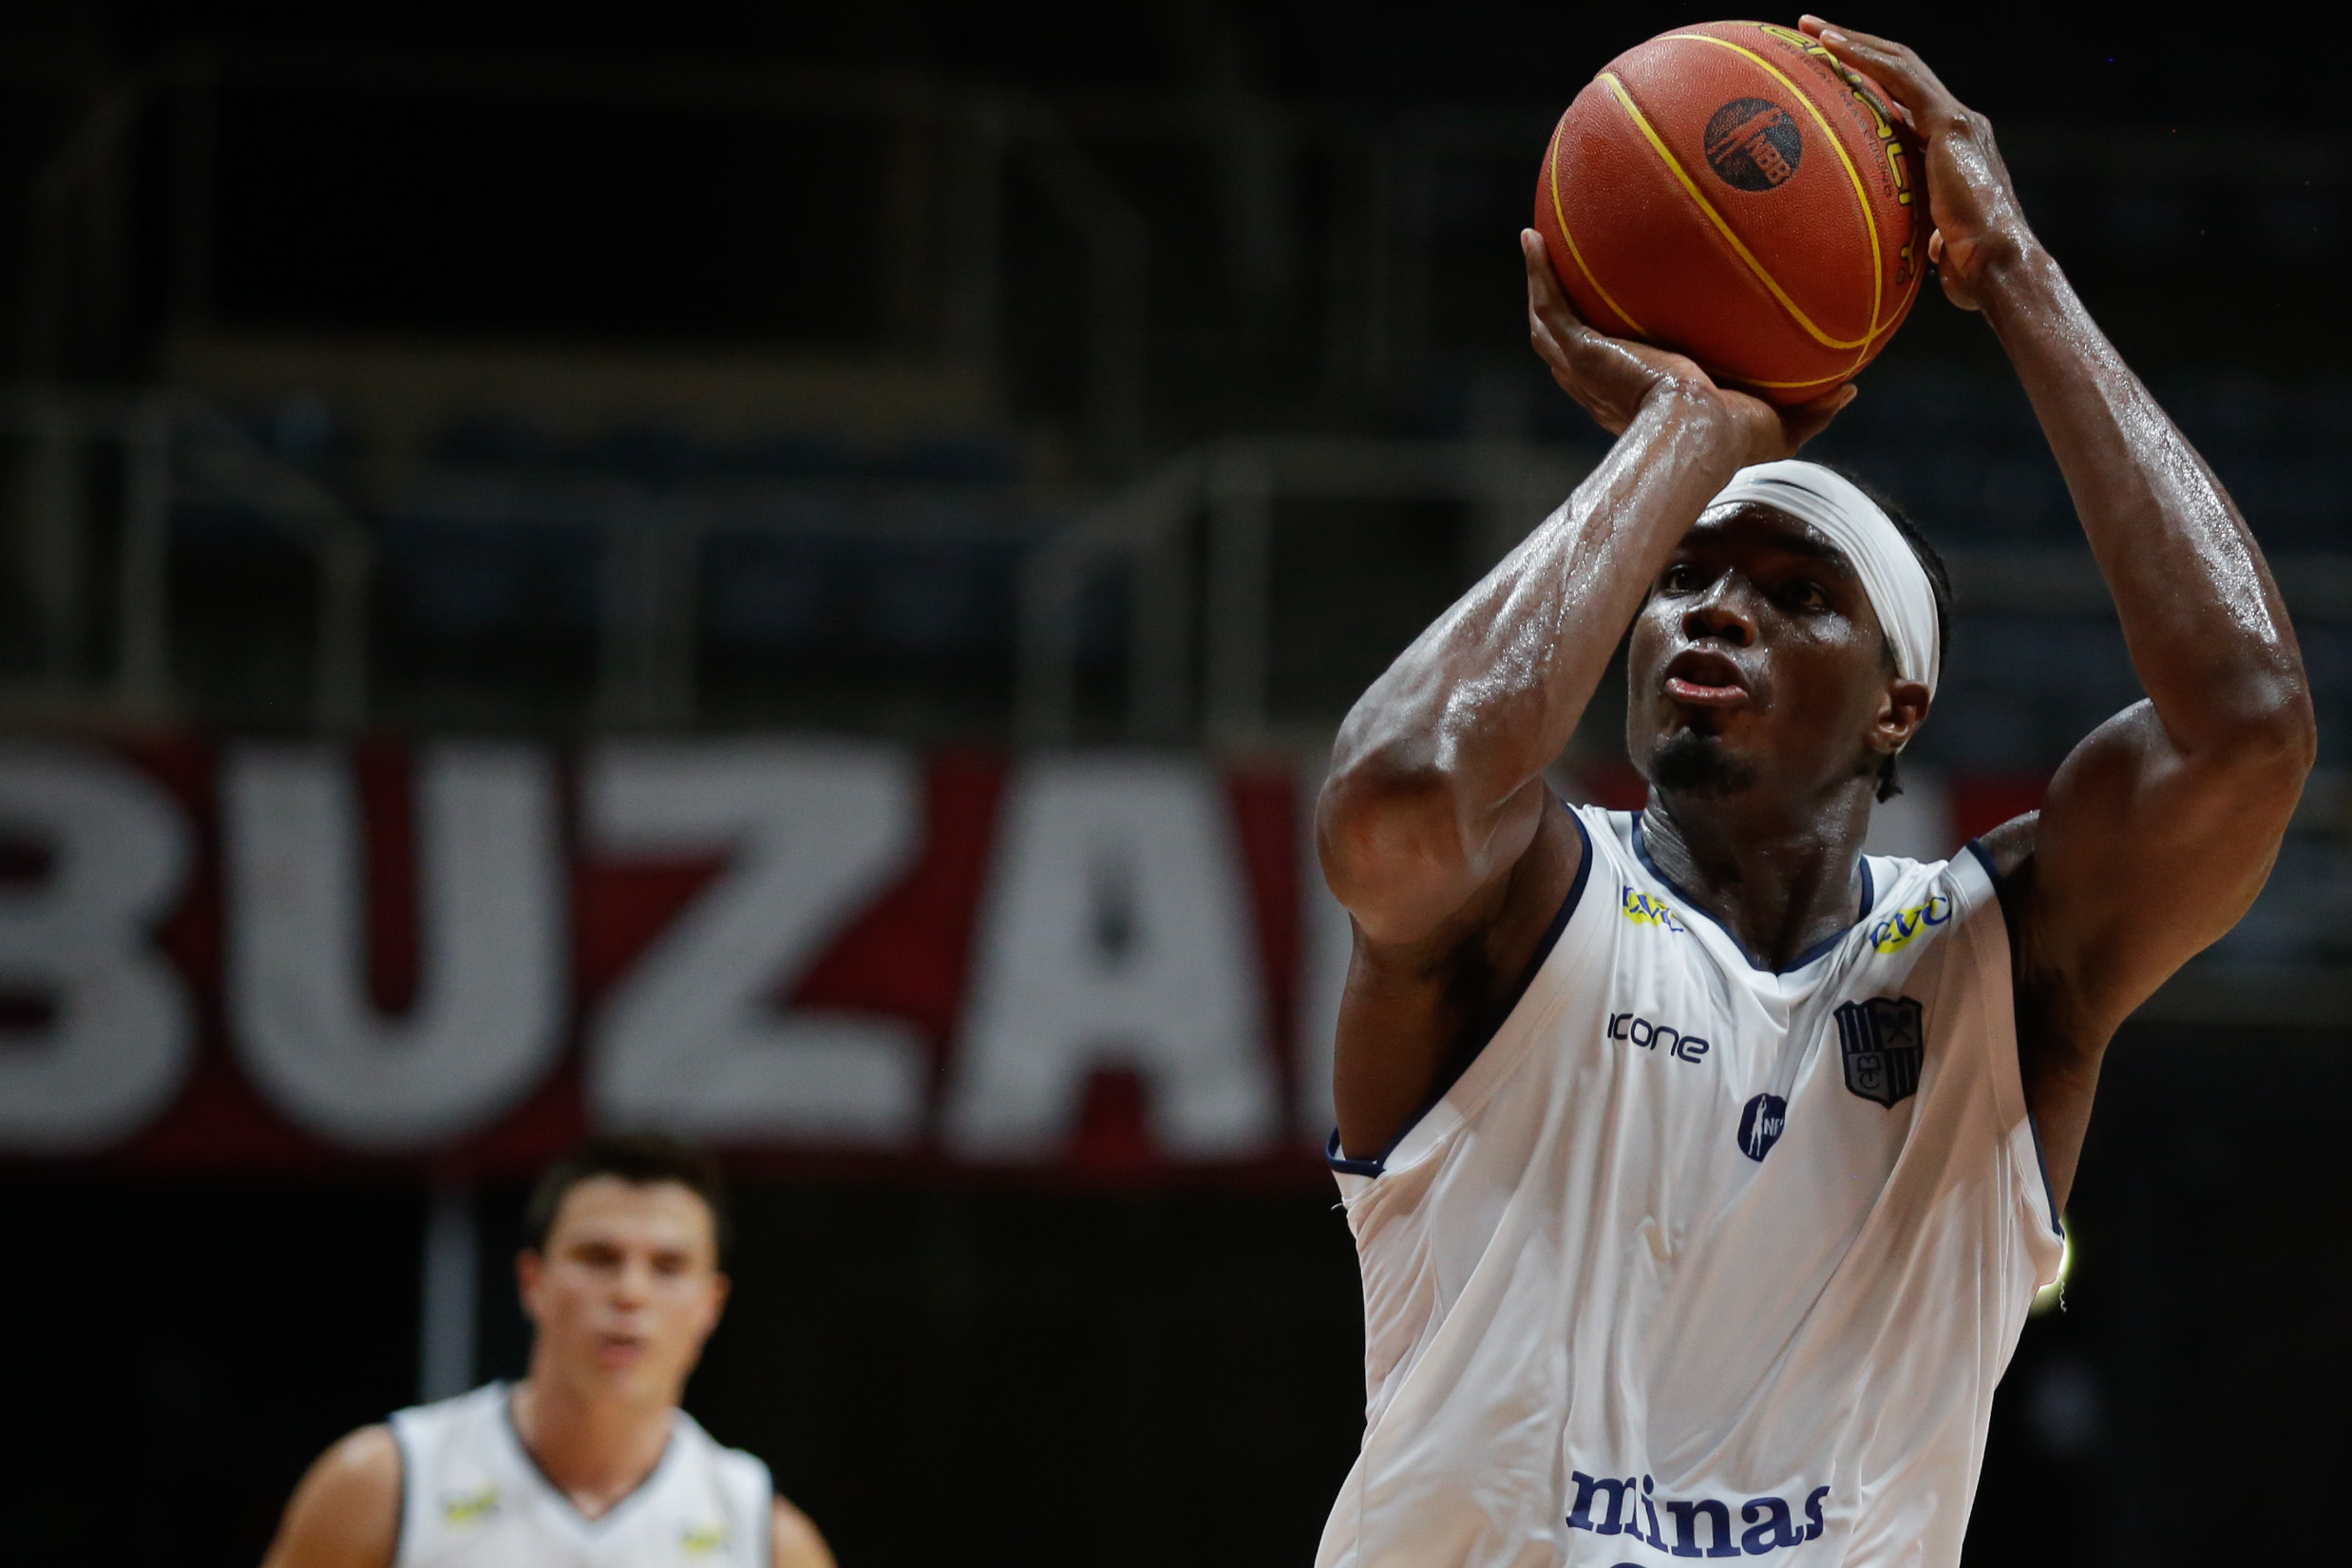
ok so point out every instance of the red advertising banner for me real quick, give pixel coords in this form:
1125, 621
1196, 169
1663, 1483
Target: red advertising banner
269, 955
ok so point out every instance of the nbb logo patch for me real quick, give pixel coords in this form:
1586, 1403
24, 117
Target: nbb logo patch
1754, 145
1761, 1122
1883, 1041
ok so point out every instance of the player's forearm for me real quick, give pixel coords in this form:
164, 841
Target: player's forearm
2207, 633
1431, 759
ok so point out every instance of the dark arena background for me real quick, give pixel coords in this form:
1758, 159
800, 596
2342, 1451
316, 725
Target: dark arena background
783, 572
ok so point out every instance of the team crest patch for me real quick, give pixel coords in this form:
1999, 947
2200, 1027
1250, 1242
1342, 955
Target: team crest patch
1883, 1041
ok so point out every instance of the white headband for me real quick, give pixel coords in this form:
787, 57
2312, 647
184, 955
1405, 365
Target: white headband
1866, 537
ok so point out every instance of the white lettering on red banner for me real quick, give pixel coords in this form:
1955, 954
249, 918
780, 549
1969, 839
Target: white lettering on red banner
275, 955
691, 1040
1115, 934
103, 1036
488, 1019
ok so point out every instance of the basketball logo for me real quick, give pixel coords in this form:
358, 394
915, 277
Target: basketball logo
1761, 1122
1754, 145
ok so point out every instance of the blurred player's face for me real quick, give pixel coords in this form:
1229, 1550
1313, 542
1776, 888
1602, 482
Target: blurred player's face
1758, 665
627, 1290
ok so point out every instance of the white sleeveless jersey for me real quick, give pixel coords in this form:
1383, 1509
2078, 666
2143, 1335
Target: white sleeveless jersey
472, 1497
1699, 1260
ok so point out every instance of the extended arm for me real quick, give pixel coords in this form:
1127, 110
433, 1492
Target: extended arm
2162, 825
1432, 824
346, 1512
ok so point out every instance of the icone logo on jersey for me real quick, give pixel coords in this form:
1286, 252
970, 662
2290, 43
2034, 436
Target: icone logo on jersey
1895, 931
1649, 1037
1770, 1523
1642, 909
470, 1507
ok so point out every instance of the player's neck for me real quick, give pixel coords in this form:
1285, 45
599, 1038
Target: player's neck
1780, 879
594, 1445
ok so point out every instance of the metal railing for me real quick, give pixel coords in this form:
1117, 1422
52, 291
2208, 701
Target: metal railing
1231, 488
169, 451
1191, 542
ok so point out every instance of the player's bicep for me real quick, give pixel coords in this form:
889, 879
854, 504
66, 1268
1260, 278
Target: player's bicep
346, 1511
1401, 856
2145, 856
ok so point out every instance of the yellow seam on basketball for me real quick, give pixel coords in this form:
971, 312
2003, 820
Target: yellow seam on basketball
1551, 176
1840, 376
1666, 156
1862, 195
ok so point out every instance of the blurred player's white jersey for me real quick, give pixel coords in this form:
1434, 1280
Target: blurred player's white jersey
472, 1497
1699, 1261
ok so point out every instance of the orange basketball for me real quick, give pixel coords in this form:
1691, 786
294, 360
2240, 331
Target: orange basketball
1734, 191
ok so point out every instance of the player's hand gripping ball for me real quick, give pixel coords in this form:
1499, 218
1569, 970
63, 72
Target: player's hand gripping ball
1735, 192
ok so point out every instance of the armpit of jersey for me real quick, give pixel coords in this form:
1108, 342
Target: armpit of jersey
1351, 1173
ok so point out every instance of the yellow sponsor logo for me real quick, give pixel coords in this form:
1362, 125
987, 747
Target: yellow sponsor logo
470, 1507
1642, 909
1896, 930
702, 1540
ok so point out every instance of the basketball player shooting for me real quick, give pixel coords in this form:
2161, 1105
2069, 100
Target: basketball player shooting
1702, 1168
587, 1463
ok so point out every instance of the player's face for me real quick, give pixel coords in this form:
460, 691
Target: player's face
1757, 664
628, 1288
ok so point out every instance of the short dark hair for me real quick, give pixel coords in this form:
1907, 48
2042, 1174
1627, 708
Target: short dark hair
640, 1159
1939, 584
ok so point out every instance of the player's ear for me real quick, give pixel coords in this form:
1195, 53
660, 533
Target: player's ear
1902, 708
528, 1265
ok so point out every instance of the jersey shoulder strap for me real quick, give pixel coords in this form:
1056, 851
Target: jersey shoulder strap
743, 1476
451, 1474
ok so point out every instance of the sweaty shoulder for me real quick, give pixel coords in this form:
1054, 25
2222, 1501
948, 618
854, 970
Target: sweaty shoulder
346, 1511
2011, 844
797, 1542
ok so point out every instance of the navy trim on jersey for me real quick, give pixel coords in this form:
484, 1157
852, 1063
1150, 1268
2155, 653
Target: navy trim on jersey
400, 1527
604, 1521
2049, 1189
1341, 1164
1453, 1075
2041, 1160
1818, 950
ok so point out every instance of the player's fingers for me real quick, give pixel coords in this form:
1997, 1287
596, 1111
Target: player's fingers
1808, 420
1545, 295
1894, 66
1552, 322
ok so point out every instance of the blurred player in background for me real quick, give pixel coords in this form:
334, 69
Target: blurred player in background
588, 1462
1703, 1168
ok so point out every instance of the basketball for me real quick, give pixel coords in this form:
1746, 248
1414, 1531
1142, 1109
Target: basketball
1734, 191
